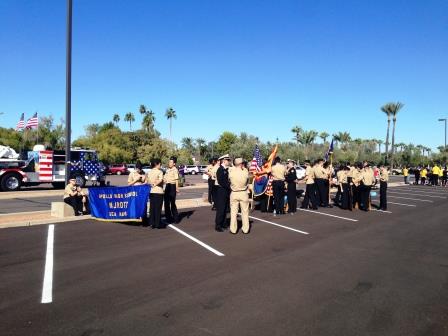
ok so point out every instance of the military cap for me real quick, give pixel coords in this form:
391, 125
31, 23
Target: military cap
224, 157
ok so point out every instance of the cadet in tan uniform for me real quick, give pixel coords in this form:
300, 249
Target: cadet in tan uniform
239, 196
340, 175
321, 178
155, 180
214, 181
210, 180
171, 181
384, 179
138, 176
278, 172
74, 196
310, 191
367, 180
345, 189
356, 182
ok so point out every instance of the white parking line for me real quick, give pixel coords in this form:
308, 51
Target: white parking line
409, 205
279, 225
326, 214
413, 199
47, 288
413, 193
197, 241
421, 191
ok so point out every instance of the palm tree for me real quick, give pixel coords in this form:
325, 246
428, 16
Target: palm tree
379, 142
422, 148
200, 142
188, 144
170, 114
385, 109
116, 119
324, 136
307, 138
394, 108
343, 137
297, 130
129, 117
148, 117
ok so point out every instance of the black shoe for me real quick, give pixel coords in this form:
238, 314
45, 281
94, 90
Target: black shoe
315, 208
219, 229
329, 206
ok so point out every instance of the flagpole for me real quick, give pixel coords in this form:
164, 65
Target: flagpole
37, 130
330, 178
68, 92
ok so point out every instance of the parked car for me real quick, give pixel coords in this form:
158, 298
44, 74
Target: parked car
300, 172
131, 167
118, 169
191, 169
146, 169
203, 169
397, 171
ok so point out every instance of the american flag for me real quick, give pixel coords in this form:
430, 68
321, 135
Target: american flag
21, 123
33, 121
330, 150
269, 190
257, 162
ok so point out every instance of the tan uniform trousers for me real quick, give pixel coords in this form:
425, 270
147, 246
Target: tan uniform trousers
239, 198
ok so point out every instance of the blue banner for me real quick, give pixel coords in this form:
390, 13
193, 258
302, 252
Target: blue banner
119, 203
260, 185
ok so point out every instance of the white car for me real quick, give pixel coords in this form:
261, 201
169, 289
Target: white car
300, 172
191, 169
146, 169
131, 167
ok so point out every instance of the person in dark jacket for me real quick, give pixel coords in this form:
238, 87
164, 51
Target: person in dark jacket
222, 199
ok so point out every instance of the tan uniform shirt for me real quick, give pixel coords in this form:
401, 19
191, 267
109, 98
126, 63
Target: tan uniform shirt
384, 175
356, 176
68, 190
342, 176
239, 179
155, 176
367, 176
136, 178
320, 172
209, 170
309, 175
213, 172
171, 176
278, 172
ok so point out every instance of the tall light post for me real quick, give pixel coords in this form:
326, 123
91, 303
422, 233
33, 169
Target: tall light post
444, 119
68, 92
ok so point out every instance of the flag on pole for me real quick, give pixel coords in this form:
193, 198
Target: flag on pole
261, 179
329, 151
21, 124
256, 163
32, 122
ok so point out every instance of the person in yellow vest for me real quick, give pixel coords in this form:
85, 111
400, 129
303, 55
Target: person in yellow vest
278, 172
406, 175
435, 175
171, 181
384, 179
155, 180
440, 178
423, 175
239, 196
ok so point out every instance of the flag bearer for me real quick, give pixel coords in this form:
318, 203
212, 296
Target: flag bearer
239, 196
171, 181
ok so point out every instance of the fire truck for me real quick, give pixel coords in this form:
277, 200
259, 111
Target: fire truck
48, 166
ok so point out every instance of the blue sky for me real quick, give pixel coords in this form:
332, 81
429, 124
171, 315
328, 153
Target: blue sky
238, 65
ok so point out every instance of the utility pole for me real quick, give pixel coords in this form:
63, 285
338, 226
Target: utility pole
68, 92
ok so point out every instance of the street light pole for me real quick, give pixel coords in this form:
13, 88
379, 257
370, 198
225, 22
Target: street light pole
444, 119
68, 92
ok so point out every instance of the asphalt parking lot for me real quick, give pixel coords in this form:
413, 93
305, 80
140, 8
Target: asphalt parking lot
330, 272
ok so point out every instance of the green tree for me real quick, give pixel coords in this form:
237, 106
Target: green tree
116, 119
297, 131
170, 114
394, 108
225, 141
129, 117
386, 110
324, 136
